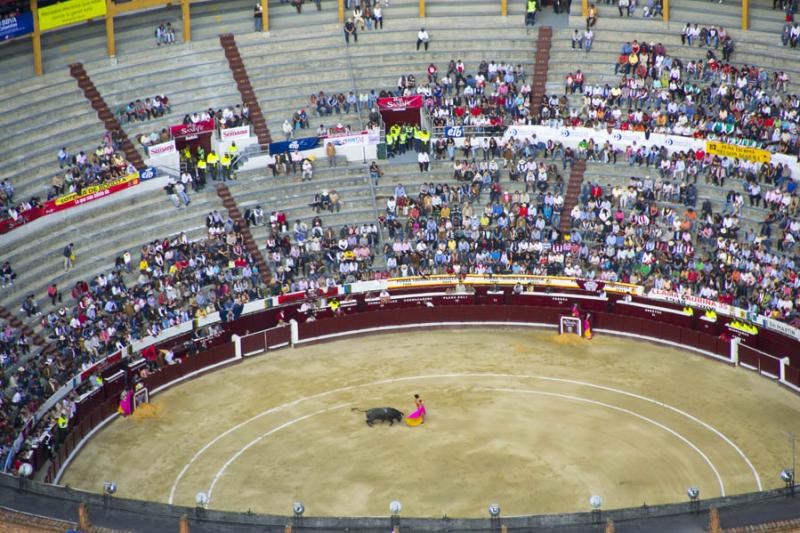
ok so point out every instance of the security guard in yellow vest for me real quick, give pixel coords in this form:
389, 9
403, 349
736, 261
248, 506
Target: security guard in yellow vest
234, 151
201, 152
226, 166
424, 140
402, 139
212, 161
201, 170
389, 145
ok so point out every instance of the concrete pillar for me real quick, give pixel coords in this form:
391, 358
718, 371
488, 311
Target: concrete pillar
784, 363
83, 517
37, 39
745, 14
295, 331
237, 345
265, 15
735, 351
666, 10
187, 22
422, 9
111, 45
504, 8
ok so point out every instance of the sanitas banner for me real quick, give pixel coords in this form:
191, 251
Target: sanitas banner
235, 134
400, 103
739, 152
191, 131
70, 12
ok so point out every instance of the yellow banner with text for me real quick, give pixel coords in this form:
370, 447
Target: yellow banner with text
740, 152
70, 12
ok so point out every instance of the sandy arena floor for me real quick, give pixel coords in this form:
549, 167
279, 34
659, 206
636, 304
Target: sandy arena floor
528, 419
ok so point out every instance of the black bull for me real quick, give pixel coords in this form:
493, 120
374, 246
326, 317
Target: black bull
382, 414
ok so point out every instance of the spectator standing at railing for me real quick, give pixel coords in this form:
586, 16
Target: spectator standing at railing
257, 17
63, 157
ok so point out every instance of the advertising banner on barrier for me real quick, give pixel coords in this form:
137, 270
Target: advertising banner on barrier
740, 152
621, 139
90, 194
306, 143
7, 224
70, 200
234, 134
191, 131
365, 138
147, 174
400, 103
16, 26
155, 150
454, 131
70, 12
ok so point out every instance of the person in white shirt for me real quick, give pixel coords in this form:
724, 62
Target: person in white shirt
308, 170
424, 161
288, 130
422, 38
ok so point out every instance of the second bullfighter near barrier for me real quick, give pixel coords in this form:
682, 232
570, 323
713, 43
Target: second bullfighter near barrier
381, 414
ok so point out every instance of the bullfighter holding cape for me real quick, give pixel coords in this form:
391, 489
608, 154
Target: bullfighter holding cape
417, 417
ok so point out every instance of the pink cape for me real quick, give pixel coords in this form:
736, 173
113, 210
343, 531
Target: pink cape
418, 413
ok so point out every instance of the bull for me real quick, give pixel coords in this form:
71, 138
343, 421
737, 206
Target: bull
381, 414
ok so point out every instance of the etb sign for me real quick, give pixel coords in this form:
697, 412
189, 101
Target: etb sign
454, 131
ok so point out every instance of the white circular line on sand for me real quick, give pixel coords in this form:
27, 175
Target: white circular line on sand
271, 410
258, 439
626, 411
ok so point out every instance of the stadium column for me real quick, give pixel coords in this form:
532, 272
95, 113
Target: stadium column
422, 9
585, 8
504, 8
187, 23
666, 10
111, 45
341, 11
745, 14
37, 39
265, 15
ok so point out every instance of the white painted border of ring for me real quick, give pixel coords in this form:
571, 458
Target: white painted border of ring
629, 412
458, 375
293, 421
408, 326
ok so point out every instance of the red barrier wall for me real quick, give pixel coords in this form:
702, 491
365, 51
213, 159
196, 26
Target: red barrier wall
432, 306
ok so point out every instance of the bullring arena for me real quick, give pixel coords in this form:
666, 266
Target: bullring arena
525, 418
405, 265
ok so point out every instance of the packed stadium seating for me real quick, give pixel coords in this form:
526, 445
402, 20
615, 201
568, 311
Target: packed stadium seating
40, 115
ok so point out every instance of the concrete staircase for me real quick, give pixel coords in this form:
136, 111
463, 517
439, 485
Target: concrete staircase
573, 192
245, 89
105, 115
233, 211
540, 70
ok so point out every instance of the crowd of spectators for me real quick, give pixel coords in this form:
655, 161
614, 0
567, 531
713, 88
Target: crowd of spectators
496, 94
315, 256
174, 281
88, 168
709, 98
139, 111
